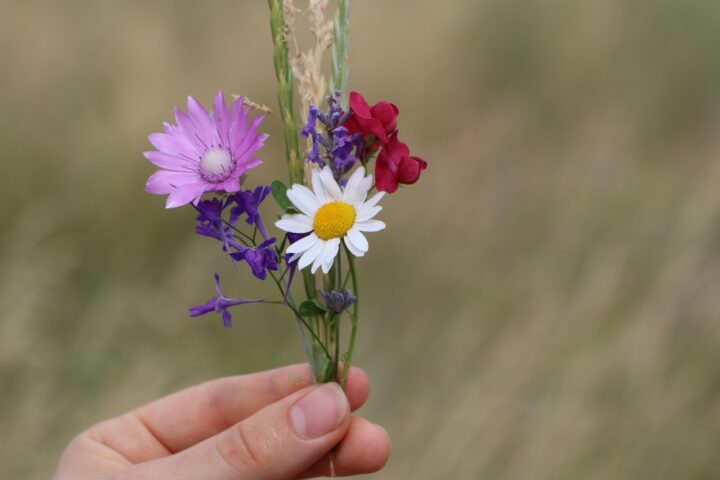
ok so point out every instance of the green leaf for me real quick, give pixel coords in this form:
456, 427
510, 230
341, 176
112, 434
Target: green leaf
279, 193
310, 308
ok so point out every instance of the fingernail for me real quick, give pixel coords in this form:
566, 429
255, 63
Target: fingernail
319, 412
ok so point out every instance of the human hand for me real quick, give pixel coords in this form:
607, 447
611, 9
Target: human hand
269, 425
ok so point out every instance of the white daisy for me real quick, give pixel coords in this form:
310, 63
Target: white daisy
330, 213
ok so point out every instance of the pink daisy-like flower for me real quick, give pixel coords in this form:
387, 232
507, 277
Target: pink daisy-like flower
204, 152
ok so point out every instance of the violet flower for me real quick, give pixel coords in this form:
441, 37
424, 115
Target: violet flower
220, 305
260, 259
248, 202
211, 224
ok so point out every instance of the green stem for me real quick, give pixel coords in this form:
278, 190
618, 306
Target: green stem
285, 94
341, 41
290, 304
347, 358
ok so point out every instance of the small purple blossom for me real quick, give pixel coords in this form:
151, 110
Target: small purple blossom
211, 224
220, 305
260, 259
247, 202
204, 152
338, 301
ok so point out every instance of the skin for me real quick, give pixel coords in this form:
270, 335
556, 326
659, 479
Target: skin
234, 428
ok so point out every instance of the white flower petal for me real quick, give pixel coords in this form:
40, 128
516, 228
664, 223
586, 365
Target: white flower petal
374, 199
358, 239
329, 253
303, 244
364, 213
331, 186
320, 258
322, 195
294, 257
370, 226
295, 223
311, 254
363, 188
351, 247
350, 193
304, 199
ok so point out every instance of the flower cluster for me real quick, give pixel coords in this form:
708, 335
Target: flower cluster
210, 152
357, 134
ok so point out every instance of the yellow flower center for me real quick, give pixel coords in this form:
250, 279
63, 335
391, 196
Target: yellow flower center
333, 220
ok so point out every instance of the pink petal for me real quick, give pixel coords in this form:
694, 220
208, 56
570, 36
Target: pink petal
206, 128
170, 162
185, 194
220, 116
165, 181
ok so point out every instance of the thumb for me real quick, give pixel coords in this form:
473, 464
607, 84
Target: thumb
278, 442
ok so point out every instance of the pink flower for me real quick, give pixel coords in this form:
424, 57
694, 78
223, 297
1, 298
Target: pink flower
395, 165
204, 152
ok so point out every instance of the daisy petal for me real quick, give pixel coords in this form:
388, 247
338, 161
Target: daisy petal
303, 244
351, 247
350, 193
329, 253
311, 254
370, 226
304, 199
374, 200
364, 213
295, 223
322, 195
358, 239
331, 186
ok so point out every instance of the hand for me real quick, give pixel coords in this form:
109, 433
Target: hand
269, 425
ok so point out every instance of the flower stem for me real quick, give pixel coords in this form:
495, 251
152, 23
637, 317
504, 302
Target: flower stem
285, 94
341, 41
347, 358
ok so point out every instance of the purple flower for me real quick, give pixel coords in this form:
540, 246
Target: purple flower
260, 259
220, 305
204, 152
210, 222
338, 301
248, 202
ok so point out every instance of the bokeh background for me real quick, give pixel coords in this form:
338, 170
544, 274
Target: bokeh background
545, 303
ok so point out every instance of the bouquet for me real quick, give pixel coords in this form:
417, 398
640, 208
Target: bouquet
206, 160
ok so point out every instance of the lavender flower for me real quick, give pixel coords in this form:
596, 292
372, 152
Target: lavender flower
338, 301
204, 153
339, 148
220, 305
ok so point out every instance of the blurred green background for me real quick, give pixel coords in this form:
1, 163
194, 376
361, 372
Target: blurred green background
544, 303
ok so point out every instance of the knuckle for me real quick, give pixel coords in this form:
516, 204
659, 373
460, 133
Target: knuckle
244, 452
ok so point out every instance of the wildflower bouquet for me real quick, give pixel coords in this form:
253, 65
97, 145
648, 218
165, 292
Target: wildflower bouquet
205, 159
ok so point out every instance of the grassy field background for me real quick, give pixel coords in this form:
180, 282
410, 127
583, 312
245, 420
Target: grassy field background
544, 304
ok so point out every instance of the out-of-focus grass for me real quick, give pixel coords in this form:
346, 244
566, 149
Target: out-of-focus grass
543, 304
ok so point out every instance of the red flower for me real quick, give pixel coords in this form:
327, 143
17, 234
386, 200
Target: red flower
395, 165
379, 120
